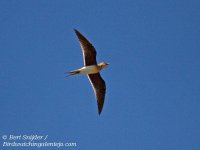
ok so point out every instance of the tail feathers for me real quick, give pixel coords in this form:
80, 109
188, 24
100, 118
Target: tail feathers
71, 73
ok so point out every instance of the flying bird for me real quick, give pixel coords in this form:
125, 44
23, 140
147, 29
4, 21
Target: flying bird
92, 70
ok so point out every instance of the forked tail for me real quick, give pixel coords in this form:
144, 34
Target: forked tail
71, 73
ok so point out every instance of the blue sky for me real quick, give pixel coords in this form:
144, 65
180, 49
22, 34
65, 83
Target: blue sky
153, 97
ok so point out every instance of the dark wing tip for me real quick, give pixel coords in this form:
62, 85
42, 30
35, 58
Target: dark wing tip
100, 104
80, 36
77, 32
99, 109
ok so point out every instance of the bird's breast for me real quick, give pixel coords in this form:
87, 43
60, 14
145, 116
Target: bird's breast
89, 69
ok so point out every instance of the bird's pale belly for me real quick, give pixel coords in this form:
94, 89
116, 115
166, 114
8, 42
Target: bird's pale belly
89, 70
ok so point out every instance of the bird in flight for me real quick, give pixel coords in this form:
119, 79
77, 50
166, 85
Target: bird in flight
92, 70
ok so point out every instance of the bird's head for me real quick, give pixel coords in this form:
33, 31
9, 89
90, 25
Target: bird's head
103, 65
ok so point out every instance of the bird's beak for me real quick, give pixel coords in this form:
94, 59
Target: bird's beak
106, 65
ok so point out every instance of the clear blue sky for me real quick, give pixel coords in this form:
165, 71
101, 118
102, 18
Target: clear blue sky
153, 85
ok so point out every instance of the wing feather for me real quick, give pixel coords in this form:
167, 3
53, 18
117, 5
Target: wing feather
99, 87
89, 52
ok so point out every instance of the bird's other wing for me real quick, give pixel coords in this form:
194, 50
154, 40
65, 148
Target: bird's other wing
89, 52
99, 87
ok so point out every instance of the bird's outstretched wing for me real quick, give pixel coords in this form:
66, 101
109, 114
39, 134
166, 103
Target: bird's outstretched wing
89, 52
99, 87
